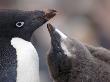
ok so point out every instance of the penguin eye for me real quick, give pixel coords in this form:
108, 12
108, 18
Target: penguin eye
19, 24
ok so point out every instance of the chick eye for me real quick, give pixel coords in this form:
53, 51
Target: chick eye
19, 24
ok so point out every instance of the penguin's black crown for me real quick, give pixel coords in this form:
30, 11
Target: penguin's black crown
18, 23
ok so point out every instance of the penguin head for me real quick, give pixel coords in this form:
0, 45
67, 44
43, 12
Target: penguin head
57, 38
58, 58
60, 42
22, 24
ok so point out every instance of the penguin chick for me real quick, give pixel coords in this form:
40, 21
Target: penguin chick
19, 60
69, 60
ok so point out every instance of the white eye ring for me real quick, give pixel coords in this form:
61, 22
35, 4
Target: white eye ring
19, 24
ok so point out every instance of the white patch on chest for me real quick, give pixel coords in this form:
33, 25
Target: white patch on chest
61, 34
27, 61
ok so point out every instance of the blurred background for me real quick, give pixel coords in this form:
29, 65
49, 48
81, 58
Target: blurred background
86, 20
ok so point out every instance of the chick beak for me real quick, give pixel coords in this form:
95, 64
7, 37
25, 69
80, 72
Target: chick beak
50, 14
50, 28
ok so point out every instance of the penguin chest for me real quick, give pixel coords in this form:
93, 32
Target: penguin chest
27, 61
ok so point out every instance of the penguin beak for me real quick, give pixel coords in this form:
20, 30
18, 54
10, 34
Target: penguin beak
50, 14
50, 28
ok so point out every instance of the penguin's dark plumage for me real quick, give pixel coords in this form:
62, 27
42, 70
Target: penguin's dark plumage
69, 60
18, 58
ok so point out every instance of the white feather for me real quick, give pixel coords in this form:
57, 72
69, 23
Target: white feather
65, 49
61, 34
27, 61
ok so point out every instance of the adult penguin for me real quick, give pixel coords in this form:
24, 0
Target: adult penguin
19, 60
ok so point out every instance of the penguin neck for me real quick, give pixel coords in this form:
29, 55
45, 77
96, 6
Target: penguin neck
4, 41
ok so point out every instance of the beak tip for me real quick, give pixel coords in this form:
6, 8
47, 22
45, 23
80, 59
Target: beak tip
50, 14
